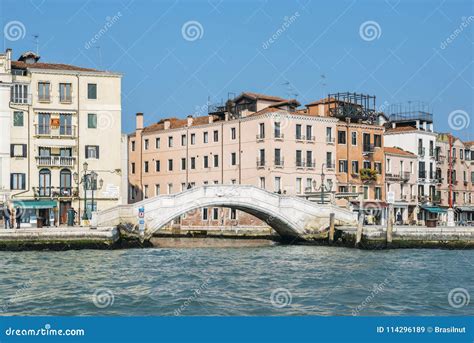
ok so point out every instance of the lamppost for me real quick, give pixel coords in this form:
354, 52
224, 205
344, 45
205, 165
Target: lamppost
323, 187
88, 181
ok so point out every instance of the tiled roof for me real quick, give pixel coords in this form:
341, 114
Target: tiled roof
321, 101
398, 151
401, 129
286, 102
176, 123
256, 96
50, 66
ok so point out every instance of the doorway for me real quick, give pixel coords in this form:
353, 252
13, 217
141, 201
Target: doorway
64, 206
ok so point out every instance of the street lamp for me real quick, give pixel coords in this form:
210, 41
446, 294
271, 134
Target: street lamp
89, 181
323, 187
93, 186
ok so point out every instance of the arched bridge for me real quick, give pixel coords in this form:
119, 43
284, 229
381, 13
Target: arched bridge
290, 216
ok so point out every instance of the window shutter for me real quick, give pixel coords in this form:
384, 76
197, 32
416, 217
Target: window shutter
23, 181
86, 154
11, 181
12, 150
24, 150
97, 151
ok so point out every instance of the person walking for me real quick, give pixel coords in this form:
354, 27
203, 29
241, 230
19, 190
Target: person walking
7, 218
18, 216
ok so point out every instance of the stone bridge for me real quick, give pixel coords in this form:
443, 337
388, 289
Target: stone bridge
290, 216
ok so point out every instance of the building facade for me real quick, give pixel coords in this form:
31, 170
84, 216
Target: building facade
5, 124
65, 135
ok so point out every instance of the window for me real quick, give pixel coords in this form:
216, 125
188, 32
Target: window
298, 185
19, 94
366, 192
183, 140
193, 162
65, 124
146, 144
233, 159
44, 120
278, 158
355, 167
378, 193
261, 160
342, 166
309, 133
157, 143
157, 165
170, 188
432, 148
309, 184
205, 214
44, 91
205, 137
216, 160
277, 130
233, 133
44, 188
329, 134
388, 167
145, 166
132, 167
262, 182
157, 189
170, 141
378, 167
17, 181
341, 137
277, 184
309, 159
193, 138
17, 150
92, 151
206, 161
215, 213
329, 162
91, 121
354, 138
65, 94
378, 141
216, 136
18, 118
367, 165
146, 191
366, 142
298, 131
92, 91
299, 158
233, 214
133, 145
261, 130
183, 164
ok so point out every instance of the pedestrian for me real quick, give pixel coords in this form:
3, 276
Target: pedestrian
399, 218
7, 219
18, 216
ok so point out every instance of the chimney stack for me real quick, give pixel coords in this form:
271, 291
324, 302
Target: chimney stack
139, 121
190, 120
211, 119
167, 124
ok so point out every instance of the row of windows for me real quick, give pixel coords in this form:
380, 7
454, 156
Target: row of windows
20, 93
366, 139
18, 182
344, 166
44, 122
20, 150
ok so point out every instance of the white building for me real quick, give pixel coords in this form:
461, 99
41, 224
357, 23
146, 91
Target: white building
5, 123
66, 124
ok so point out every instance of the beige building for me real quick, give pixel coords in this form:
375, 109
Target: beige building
253, 139
66, 123
461, 180
401, 180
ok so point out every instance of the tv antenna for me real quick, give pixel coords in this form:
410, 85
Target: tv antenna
36, 39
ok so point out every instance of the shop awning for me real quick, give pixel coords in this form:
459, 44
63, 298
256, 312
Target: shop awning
465, 208
35, 204
433, 209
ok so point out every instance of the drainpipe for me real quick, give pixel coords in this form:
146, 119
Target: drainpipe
240, 153
222, 153
187, 157
78, 147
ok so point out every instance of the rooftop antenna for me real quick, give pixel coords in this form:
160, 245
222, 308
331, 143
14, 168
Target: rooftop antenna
323, 84
36, 38
100, 55
290, 90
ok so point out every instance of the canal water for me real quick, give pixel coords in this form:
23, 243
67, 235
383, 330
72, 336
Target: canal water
237, 280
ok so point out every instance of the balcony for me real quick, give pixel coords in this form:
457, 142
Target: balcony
422, 174
300, 164
368, 148
260, 137
278, 136
42, 131
299, 138
55, 161
17, 99
260, 163
311, 164
279, 163
330, 140
310, 139
330, 165
55, 192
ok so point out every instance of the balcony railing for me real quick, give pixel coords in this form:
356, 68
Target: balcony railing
20, 99
421, 152
331, 164
279, 163
55, 192
299, 137
422, 174
300, 164
260, 137
330, 140
260, 163
310, 139
61, 131
311, 164
368, 148
55, 161
278, 135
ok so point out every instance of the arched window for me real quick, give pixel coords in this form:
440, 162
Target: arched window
65, 182
44, 183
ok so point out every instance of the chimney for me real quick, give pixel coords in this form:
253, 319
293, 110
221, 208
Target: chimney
167, 124
190, 120
211, 119
139, 121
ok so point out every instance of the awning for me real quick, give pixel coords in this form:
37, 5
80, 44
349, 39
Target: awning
35, 204
465, 208
433, 209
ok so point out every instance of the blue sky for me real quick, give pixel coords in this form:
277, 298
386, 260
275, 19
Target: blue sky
322, 48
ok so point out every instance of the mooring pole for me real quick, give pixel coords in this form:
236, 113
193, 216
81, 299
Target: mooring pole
331, 227
390, 224
360, 224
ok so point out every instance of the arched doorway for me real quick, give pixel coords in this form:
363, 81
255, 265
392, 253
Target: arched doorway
65, 190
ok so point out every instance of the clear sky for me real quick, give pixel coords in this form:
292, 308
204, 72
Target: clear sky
174, 55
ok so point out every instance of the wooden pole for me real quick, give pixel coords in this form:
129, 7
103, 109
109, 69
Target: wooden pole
390, 224
360, 224
331, 227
